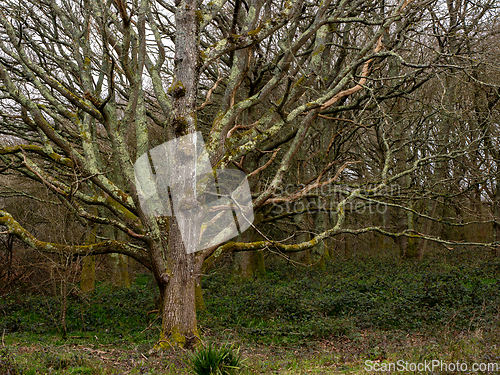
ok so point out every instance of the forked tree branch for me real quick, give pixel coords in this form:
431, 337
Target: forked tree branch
105, 247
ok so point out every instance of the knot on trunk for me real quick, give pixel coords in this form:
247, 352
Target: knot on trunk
165, 278
177, 89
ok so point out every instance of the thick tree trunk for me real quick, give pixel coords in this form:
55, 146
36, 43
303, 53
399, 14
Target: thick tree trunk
179, 327
248, 264
87, 282
118, 267
177, 281
320, 253
496, 225
438, 206
302, 235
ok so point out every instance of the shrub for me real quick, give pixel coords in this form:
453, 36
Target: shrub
210, 360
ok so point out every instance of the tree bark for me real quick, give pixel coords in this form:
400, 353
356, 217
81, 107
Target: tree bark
179, 327
496, 216
248, 264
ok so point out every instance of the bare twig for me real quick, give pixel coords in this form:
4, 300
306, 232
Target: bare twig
359, 85
260, 169
209, 93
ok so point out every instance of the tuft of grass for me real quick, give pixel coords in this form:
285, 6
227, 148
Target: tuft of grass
213, 360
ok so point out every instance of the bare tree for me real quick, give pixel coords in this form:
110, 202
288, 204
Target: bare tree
89, 86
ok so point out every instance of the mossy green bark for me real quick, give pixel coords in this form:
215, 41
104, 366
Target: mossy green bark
248, 264
200, 303
87, 283
177, 340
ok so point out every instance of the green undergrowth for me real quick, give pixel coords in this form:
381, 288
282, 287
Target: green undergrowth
295, 320
299, 305
108, 315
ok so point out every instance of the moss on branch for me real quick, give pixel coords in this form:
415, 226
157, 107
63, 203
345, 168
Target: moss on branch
4, 150
105, 247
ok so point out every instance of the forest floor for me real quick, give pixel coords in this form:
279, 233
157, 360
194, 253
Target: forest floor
357, 316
